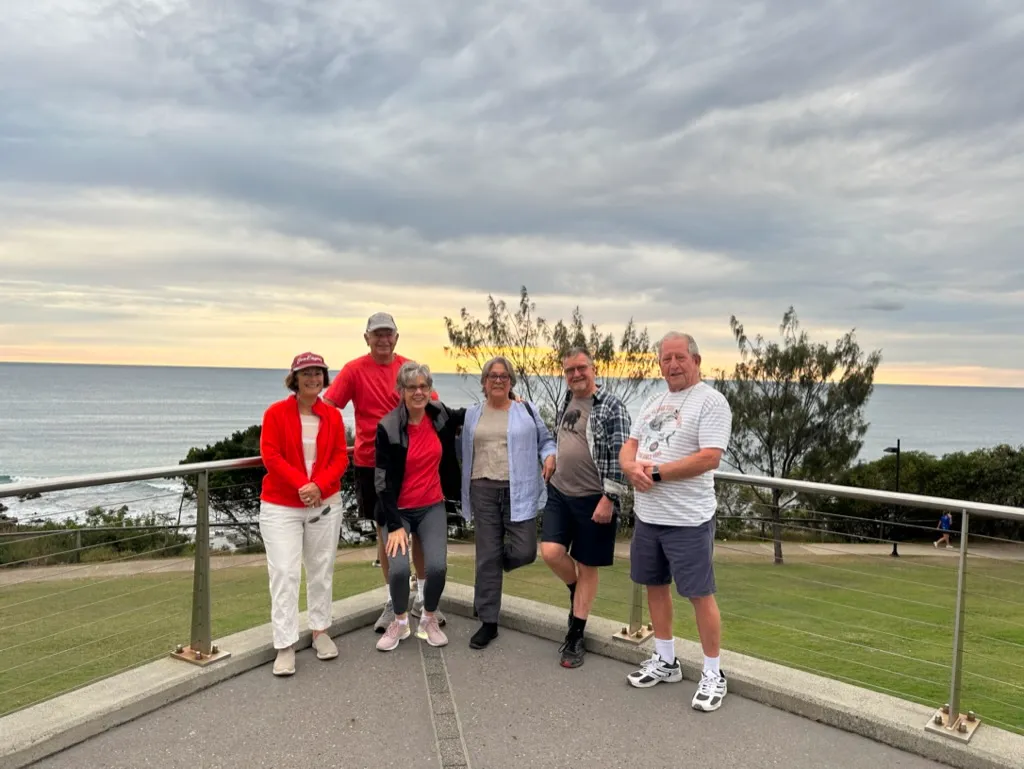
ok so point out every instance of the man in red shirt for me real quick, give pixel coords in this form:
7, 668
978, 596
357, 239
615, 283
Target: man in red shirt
369, 383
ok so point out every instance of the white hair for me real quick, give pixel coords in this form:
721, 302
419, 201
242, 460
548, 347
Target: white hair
410, 372
691, 343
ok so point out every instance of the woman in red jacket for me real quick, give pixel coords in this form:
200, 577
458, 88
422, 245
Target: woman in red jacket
303, 447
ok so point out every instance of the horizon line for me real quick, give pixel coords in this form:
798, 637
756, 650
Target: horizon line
435, 371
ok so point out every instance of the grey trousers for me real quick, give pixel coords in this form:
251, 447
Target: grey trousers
431, 523
501, 545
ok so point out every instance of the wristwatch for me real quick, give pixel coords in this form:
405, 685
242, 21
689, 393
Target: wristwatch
656, 474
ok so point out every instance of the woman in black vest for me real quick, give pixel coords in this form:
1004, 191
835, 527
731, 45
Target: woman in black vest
417, 470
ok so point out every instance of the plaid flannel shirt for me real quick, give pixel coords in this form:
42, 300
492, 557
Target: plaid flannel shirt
607, 429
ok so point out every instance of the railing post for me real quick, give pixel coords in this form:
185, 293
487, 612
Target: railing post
948, 720
201, 649
635, 632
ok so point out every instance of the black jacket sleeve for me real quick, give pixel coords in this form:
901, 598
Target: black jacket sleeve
457, 417
384, 481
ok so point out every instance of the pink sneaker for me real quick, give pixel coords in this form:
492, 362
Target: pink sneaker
393, 636
430, 631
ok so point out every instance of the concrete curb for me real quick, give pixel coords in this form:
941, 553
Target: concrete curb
880, 717
41, 730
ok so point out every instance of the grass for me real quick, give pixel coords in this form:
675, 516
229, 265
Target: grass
58, 635
875, 622
872, 621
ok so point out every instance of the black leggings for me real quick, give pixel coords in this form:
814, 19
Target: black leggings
431, 524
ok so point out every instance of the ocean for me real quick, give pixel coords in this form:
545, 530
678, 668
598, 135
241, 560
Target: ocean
58, 419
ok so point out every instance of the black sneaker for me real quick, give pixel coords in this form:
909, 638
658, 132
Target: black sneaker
488, 632
572, 652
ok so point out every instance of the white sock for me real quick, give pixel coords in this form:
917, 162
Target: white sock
389, 592
711, 664
666, 649
404, 620
420, 587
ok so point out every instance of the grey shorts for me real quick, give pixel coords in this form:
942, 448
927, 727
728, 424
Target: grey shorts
660, 554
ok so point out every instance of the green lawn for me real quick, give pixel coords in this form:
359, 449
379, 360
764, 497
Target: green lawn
56, 636
874, 622
870, 621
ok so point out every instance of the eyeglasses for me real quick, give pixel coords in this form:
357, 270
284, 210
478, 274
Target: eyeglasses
417, 388
320, 515
570, 370
498, 377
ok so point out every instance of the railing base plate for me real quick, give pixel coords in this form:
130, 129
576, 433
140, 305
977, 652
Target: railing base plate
186, 654
636, 638
961, 728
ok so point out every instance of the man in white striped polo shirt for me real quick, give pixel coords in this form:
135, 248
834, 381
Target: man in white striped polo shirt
674, 447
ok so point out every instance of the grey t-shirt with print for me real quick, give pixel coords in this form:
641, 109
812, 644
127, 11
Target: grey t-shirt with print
575, 472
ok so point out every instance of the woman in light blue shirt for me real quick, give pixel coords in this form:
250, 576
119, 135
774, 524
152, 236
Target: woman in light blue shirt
508, 455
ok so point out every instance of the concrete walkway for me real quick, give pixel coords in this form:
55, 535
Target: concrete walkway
724, 550
508, 707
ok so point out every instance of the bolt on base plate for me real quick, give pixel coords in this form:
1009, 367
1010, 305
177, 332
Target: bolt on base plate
636, 638
197, 657
961, 728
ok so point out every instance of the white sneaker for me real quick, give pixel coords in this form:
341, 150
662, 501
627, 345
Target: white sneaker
654, 671
284, 665
326, 649
710, 692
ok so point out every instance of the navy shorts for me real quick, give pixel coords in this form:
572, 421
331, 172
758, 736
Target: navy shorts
660, 554
568, 522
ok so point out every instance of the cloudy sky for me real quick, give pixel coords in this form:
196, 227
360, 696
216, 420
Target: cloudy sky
232, 182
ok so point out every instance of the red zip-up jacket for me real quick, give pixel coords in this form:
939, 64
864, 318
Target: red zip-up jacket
281, 450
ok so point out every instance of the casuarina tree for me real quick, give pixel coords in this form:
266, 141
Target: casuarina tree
625, 365
798, 409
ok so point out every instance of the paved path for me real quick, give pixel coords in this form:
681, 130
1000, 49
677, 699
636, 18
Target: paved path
793, 551
508, 707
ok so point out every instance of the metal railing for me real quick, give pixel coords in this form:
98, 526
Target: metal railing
201, 649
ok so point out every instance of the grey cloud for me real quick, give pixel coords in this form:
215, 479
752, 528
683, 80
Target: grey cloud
855, 159
882, 305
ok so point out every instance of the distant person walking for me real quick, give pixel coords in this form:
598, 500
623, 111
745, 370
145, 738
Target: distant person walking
417, 469
945, 526
302, 444
676, 444
507, 455
581, 514
368, 383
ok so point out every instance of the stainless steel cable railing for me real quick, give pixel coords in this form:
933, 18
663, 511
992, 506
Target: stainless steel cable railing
841, 607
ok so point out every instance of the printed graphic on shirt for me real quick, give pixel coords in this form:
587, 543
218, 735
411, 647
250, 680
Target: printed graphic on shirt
671, 426
662, 426
575, 472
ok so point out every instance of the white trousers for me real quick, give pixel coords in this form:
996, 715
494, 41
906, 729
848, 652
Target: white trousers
291, 542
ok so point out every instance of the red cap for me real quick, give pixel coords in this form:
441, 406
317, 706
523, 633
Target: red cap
308, 360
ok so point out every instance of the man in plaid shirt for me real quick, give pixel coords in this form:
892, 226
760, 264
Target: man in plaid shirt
582, 511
